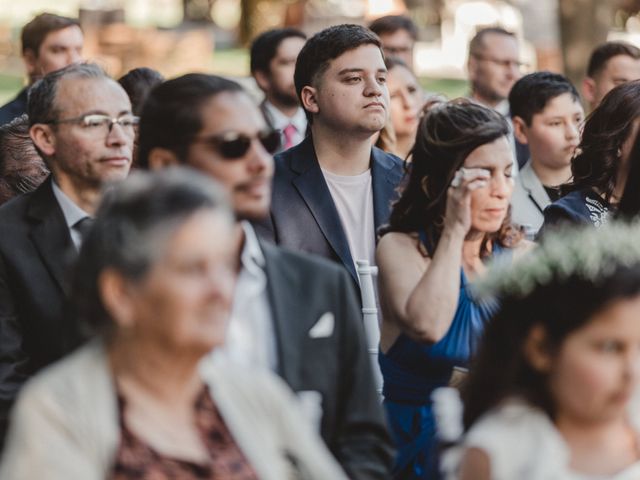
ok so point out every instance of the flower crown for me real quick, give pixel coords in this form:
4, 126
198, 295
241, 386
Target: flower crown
587, 252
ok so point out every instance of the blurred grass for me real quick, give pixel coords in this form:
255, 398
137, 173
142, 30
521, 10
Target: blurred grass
10, 85
450, 88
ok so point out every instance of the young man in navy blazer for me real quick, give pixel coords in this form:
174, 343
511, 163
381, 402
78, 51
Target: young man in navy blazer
334, 190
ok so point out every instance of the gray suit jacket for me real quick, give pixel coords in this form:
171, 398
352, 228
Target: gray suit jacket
529, 201
301, 290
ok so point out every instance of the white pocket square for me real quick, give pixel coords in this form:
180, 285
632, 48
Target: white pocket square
323, 327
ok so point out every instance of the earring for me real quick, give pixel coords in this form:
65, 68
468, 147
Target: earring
424, 185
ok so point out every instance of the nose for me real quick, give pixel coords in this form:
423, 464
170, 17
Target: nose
500, 185
632, 366
572, 131
406, 101
73, 56
259, 159
373, 88
218, 283
119, 135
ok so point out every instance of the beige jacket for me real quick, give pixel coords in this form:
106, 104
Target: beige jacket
65, 423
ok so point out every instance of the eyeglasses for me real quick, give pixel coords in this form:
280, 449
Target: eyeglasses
503, 63
233, 145
393, 51
101, 123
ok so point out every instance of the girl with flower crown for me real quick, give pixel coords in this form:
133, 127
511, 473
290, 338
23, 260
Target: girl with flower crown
551, 393
452, 216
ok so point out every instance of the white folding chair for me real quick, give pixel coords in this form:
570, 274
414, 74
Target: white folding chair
366, 273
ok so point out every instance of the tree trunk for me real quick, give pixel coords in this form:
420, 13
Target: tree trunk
247, 20
583, 26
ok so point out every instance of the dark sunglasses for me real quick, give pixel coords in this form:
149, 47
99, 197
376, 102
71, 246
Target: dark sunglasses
233, 145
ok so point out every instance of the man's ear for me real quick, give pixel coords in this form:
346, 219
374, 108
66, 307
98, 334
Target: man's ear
114, 291
161, 158
42, 136
262, 79
519, 130
30, 61
589, 90
536, 350
309, 99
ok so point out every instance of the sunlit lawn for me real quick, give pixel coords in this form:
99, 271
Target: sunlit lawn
9, 87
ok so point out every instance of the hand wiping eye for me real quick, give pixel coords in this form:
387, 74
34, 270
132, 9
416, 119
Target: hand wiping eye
469, 174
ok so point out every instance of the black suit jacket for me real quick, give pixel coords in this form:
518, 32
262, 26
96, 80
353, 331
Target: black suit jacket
301, 290
303, 214
15, 107
35, 251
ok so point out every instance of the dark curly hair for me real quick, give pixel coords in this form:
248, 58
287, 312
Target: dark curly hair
447, 134
605, 131
22, 169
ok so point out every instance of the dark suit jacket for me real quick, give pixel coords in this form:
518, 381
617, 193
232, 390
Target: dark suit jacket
14, 108
35, 250
303, 214
301, 290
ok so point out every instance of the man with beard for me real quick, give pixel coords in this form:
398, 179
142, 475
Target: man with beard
49, 42
611, 64
273, 61
494, 66
294, 314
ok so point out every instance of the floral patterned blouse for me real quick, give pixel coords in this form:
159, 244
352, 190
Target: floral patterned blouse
135, 459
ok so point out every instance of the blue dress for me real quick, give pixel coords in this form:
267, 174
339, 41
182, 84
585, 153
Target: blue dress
578, 207
412, 370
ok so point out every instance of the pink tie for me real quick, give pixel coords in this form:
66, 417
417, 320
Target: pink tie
289, 132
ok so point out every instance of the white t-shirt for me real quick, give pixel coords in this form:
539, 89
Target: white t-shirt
353, 198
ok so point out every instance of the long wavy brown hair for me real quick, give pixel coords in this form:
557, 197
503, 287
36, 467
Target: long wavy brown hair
447, 134
605, 131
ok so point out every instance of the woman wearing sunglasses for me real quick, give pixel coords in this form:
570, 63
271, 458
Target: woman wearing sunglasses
155, 279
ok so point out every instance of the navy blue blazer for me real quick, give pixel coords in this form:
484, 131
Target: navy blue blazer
303, 214
15, 107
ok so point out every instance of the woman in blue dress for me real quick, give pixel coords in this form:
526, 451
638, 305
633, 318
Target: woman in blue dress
452, 216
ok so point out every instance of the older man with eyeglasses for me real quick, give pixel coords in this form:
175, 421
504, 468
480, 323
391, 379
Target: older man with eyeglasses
494, 66
82, 126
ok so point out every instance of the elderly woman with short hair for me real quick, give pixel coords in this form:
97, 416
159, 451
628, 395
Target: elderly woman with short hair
154, 278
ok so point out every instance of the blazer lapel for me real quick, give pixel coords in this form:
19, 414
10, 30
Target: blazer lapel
313, 189
287, 324
534, 188
50, 234
385, 180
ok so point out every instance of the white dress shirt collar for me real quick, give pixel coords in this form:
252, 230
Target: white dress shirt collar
251, 337
251, 256
280, 120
